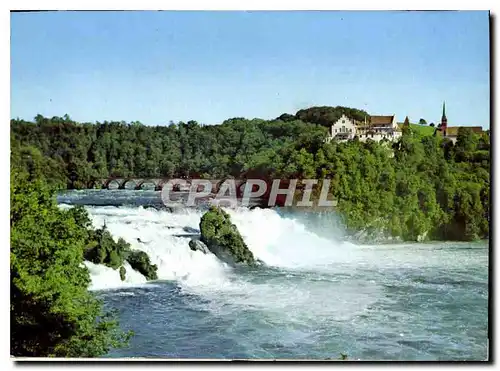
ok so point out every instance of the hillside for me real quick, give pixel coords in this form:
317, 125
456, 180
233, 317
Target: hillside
422, 130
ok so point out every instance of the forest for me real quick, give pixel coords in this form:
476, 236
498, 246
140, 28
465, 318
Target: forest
421, 187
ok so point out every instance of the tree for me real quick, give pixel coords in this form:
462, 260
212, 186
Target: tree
422, 122
326, 116
467, 142
466, 139
286, 117
52, 312
376, 186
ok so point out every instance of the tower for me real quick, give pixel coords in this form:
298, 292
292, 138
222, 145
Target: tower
406, 123
444, 121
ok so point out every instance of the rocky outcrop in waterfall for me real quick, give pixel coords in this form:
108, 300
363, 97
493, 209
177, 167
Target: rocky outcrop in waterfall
140, 262
223, 239
102, 249
123, 273
197, 245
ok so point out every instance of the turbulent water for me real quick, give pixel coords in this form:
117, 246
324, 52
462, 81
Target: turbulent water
319, 295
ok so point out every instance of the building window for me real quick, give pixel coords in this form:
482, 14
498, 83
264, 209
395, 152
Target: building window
350, 130
343, 121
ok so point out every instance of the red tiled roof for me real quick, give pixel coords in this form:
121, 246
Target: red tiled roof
453, 130
381, 120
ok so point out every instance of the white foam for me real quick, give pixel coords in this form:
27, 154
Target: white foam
286, 242
156, 230
307, 290
104, 278
278, 241
275, 240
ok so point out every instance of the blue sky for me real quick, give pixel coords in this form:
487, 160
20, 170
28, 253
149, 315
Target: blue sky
209, 66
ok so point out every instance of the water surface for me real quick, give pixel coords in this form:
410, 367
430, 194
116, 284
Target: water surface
319, 295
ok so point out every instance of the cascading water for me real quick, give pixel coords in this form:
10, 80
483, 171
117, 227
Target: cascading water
317, 296
160, 235
277, 241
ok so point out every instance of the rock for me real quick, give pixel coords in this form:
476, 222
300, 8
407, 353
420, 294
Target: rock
102, 249
197, 245
223, 239
123, 271
140, 262
190, 230
186, 235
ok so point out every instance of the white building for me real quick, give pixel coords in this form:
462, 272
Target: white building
375, 128
343, 129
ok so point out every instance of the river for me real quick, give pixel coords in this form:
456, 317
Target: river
318, 296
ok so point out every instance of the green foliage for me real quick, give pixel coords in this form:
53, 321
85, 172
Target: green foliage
140, 262
422, 130
102, 249
420, 186
222, 237
326, 116
37, 166
77, 155
52, 312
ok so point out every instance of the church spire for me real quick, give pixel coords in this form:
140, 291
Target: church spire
444, 121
